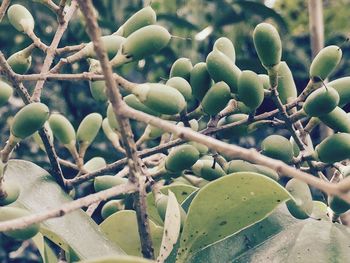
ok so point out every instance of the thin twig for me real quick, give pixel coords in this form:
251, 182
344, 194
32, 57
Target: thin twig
4, 5
134, 162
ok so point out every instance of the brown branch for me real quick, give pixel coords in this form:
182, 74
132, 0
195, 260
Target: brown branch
67, 207
4, 5
50, 54
60, 12
135, 171
68, 49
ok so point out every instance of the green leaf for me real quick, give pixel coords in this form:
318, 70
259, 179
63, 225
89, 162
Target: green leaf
181, 192
121, 228
46, 252
75, 232
119, 259
172, 225
226, 206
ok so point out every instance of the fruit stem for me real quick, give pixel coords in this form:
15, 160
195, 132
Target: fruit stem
7, 150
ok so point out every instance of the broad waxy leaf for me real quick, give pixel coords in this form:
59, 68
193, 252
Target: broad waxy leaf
226, 206
121, 228
180, 191
75, 232
172, 225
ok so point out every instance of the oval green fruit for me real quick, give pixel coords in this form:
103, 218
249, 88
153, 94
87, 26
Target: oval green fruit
182, 67
277, 147
132, 101
301, 205
29, 119
265, 80
225, 45
250, 89
204, 168
38, 139
62, 129
5, 92
181, 85
151, 132
160, 98
200, 80
144, 17
334, 148
112, 121
9, 213
235, 166
88, 128
267, 171
20, 61
337, 119
321, 101
110, 134
342, 85
98, 90
105, 182
112, 207
142, 43
202, 149
235, 131
286, 87
12, 192
216, 98
181, 158
325, 62
110, 43
162, 203
95, 164
221, 68
20, 18
268, 44
338, 205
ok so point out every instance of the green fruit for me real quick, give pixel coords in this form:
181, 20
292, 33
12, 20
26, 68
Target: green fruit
88, 128
98, 90
5, 92
181, 85
112, 207
325, 62
107, 181
20, 61
338, 205
182, 67
95, 164
20, 18
221, 68
216, 98
334, 148
142, 43
268, 44
29, 119
181, 158
235, 166
152, 132
301, 205
286, 86
342, 87
9, 213
265, 80
200, 80
162, 203
224, 45
110, 43
338, 120
202, 149
38, 139
144, 17
204, 168
62, 129
133, 102
160, 98
112, 121
12, 192
321, 101
236, 131
110, 134
250, 89
277, 147
267, 171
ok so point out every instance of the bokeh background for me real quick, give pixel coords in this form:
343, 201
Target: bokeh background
196, 25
